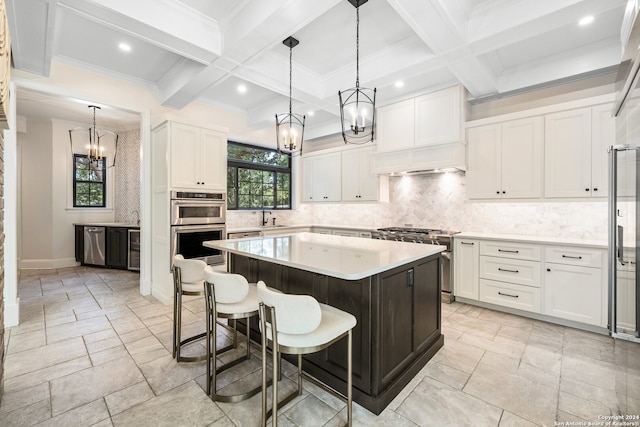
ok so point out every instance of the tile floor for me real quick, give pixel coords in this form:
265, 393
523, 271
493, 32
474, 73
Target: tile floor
90, 350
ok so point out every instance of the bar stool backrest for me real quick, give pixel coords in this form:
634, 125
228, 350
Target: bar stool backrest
295, 314
191, 270
229, 288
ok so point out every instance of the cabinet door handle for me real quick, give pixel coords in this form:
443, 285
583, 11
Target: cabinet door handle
467, 243
507, 295
508, 251
571, 257
586, 189
595, 189
497, 192
508, 271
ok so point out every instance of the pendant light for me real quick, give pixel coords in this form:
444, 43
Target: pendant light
289, 126
358, 105
91, 139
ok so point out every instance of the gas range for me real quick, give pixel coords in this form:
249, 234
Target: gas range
416, 235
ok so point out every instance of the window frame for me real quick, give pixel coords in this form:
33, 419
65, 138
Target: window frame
244, 164
76, 181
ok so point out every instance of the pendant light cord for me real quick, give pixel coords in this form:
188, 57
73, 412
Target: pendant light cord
290, 76
95, 137
357, 47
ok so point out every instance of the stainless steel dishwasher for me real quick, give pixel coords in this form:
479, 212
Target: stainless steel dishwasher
94, 245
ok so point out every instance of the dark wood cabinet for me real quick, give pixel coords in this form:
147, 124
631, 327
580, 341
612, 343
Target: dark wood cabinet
117, 247
409, 316
398, 329
79, 239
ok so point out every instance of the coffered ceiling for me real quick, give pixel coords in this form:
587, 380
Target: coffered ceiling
203, 50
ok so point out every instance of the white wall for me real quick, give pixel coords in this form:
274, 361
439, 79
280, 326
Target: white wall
46, 211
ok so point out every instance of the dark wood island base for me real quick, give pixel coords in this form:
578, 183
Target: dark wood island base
398, 330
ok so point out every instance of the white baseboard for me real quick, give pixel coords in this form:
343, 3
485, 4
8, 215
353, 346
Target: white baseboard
12, 313
30, 264
162, 297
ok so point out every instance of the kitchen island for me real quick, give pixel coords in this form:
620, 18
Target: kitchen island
392, 288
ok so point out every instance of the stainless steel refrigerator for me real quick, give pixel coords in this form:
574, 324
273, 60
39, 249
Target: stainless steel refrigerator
624, 295
624, 188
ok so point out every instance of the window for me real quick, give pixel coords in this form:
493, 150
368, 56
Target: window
257, 177
89, 182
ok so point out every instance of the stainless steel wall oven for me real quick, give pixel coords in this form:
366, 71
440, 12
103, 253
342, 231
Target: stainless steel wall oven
197, 208
195, 218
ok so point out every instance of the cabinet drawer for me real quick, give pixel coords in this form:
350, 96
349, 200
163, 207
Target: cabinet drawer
574, 256
510, 295
511, 250
517, 271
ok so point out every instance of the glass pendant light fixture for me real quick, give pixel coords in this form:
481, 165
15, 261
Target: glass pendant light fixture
289, 126
91, 139
357, 105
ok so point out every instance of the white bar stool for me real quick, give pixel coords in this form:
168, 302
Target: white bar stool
303, 326
228, 296
188, 280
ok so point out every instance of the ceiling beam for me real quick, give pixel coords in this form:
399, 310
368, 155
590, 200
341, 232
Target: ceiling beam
165, 23
442, 28
32, 27
258, 27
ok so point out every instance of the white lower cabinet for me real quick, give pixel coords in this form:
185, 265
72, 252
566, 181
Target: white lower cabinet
510, 295
556, 281
574, 285
510, 274
465, 268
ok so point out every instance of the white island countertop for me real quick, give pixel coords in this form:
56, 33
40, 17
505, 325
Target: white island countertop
348, 258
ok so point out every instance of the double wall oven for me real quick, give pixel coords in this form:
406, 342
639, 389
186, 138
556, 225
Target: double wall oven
195, 218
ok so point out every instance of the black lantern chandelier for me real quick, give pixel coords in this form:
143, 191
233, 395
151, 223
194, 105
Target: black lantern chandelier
91, 139
357, 105
289, 126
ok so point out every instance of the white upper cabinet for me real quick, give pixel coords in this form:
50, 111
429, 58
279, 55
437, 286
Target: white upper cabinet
198, 158
440, 117
505, 160
395, 126
603, 135
435, 118
322, 176
358, 183
576, 144
484, 174
343, 175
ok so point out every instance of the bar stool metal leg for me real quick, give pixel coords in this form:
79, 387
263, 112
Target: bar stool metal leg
212, 348
178, 342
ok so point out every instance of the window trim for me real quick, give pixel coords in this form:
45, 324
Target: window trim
75, 182
244, 164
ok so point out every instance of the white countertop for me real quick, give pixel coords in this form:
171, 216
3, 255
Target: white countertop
346, 258
601, 244
108, 224
284, 228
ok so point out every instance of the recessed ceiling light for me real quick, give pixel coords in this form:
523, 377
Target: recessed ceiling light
311, 113
586, 20
399, 83
125, 47
242, 88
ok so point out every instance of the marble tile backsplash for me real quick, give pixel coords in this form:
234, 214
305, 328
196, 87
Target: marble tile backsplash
438, 201
127, 177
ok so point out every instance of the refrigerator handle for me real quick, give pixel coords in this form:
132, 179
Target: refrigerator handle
620, 245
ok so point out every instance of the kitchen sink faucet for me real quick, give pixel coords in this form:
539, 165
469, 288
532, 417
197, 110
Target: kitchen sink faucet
265, 221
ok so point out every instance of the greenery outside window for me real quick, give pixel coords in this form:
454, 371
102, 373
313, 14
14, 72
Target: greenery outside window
89, 182
257, 177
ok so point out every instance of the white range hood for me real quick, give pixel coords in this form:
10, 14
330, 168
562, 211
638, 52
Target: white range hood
423, 134
429, 159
